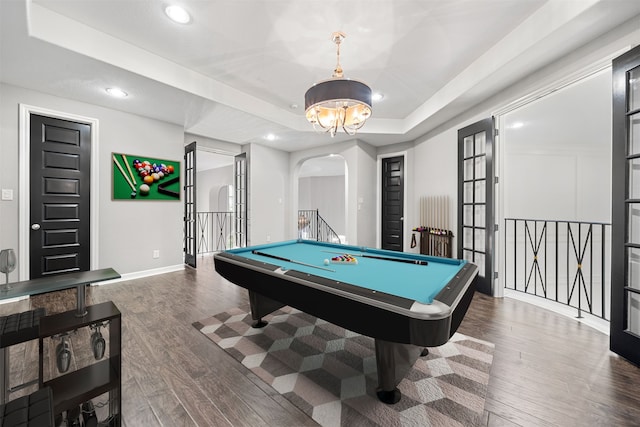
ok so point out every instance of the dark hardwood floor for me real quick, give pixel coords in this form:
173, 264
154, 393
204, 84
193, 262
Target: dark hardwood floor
548, 370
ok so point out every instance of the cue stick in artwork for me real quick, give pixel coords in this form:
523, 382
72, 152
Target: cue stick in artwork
290, 260
384, 258
126, 163
124, 174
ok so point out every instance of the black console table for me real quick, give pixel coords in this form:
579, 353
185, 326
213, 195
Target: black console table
77, 280
77, 387
103, 376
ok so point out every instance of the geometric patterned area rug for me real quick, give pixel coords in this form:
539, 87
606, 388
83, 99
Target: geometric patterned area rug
330, 373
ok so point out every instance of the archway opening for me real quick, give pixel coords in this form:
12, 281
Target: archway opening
322, 199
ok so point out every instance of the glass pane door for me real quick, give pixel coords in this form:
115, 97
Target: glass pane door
625, 250
475, 200
241, 209
190, 243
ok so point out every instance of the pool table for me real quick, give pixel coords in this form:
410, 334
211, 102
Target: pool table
404, 301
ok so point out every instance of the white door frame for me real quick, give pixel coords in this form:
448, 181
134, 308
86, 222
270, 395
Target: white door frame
24, 212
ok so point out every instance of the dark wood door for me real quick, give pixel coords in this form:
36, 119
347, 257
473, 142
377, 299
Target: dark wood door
60, 185
476, 180
392, 203
190, 211
625, 209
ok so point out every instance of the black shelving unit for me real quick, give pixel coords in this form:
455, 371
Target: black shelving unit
76, 387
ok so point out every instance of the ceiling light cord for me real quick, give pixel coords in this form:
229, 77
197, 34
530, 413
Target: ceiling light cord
337, 38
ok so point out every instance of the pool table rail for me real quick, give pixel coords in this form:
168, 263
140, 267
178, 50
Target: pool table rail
372, 313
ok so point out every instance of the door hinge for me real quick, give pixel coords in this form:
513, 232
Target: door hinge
495, 180
495, 227
495, 274
496, 132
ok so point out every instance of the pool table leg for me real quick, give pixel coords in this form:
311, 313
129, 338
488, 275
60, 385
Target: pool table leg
393, 362
260, 307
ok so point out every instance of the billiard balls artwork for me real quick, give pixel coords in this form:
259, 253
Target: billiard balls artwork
149, 174
146, 177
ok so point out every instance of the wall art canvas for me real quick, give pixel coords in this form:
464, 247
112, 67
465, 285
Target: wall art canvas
137, 177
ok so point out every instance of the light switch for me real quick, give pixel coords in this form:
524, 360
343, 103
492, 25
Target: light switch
7, 194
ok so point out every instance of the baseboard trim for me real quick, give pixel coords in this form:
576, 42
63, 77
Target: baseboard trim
594, 322
142, 274
16, 299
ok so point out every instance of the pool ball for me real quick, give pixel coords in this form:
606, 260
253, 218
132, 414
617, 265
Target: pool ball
326, 262
170, 168
161, 174
144, 189
148, 179
155, 176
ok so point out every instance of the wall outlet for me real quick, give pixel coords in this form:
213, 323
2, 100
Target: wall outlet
7, 194
268, 238
156, 253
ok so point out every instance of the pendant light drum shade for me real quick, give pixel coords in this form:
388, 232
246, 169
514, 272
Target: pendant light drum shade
338, 103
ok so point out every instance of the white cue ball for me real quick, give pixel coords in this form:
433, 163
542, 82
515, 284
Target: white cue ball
144, 189
326, 262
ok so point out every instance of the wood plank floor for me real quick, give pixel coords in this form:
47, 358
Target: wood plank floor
548, 370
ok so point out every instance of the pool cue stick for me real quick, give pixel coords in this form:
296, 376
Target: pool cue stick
290, 260
126, 163
384, 258
124, 173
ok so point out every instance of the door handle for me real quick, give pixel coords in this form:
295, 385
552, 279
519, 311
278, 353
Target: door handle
35, 227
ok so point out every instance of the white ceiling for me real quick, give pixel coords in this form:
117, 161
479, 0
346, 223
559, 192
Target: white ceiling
236, 70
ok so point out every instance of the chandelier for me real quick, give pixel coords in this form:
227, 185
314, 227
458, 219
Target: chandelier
338, 103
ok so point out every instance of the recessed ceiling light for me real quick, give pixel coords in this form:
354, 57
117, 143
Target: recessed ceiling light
116, 92
177, 14
270, 137
377, 96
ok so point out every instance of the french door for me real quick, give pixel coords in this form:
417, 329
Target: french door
241, 211
475, 200
190, 211
625, 198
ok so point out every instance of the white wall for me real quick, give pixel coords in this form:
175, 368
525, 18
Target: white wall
326, 194
208, 185
123, 225
360, 195
557, 154
268, 210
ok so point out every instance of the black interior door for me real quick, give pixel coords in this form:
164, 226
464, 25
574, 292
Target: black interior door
60, 185
625, 198
392, 203
190, 213
476, 180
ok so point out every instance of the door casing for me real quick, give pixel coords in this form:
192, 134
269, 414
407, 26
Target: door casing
24, 170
